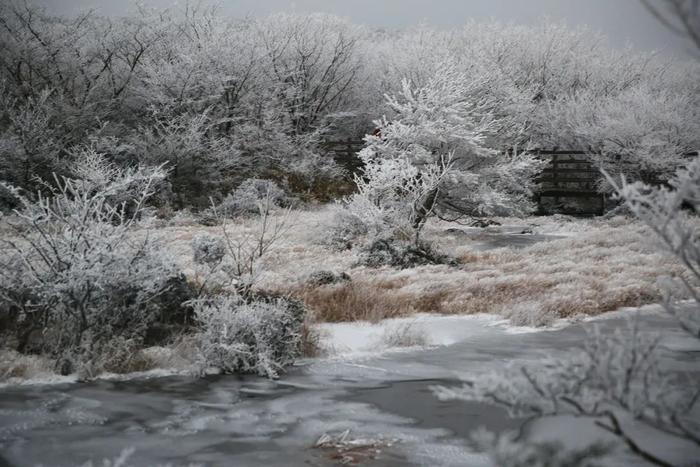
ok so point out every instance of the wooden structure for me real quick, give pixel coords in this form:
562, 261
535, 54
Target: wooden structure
567, 185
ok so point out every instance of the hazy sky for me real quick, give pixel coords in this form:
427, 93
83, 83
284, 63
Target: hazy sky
623, 21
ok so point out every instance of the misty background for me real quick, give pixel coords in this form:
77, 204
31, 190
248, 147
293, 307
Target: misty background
624, 22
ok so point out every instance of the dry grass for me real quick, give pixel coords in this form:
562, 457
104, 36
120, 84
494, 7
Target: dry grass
15, 366
310, 340
404, 335
594, 272
353, 301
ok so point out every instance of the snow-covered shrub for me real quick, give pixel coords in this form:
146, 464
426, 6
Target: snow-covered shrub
239, 336
507, 450
672, 213
77, 273
395, 197
251, 196
120, 186
345, 230
208, 249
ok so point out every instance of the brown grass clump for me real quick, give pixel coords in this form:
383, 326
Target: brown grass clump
353, 301
310, 340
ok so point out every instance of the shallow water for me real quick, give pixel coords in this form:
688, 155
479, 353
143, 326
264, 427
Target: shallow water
249, 421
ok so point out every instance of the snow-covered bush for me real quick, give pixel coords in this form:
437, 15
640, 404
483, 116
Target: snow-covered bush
76, 273
251, 196
344, 230
208, 249
119, 186
394, 197
240, 336
507, 450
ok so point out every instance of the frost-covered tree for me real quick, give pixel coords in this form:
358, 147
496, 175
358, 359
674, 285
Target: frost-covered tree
313, 63
432, 157
643, 133
200, 165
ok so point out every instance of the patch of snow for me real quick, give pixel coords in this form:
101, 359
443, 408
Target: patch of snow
48, 379
363, 338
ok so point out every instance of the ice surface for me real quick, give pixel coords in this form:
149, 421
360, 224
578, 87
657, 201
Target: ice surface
374, 391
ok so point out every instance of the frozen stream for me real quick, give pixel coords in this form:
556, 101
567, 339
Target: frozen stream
248, 421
